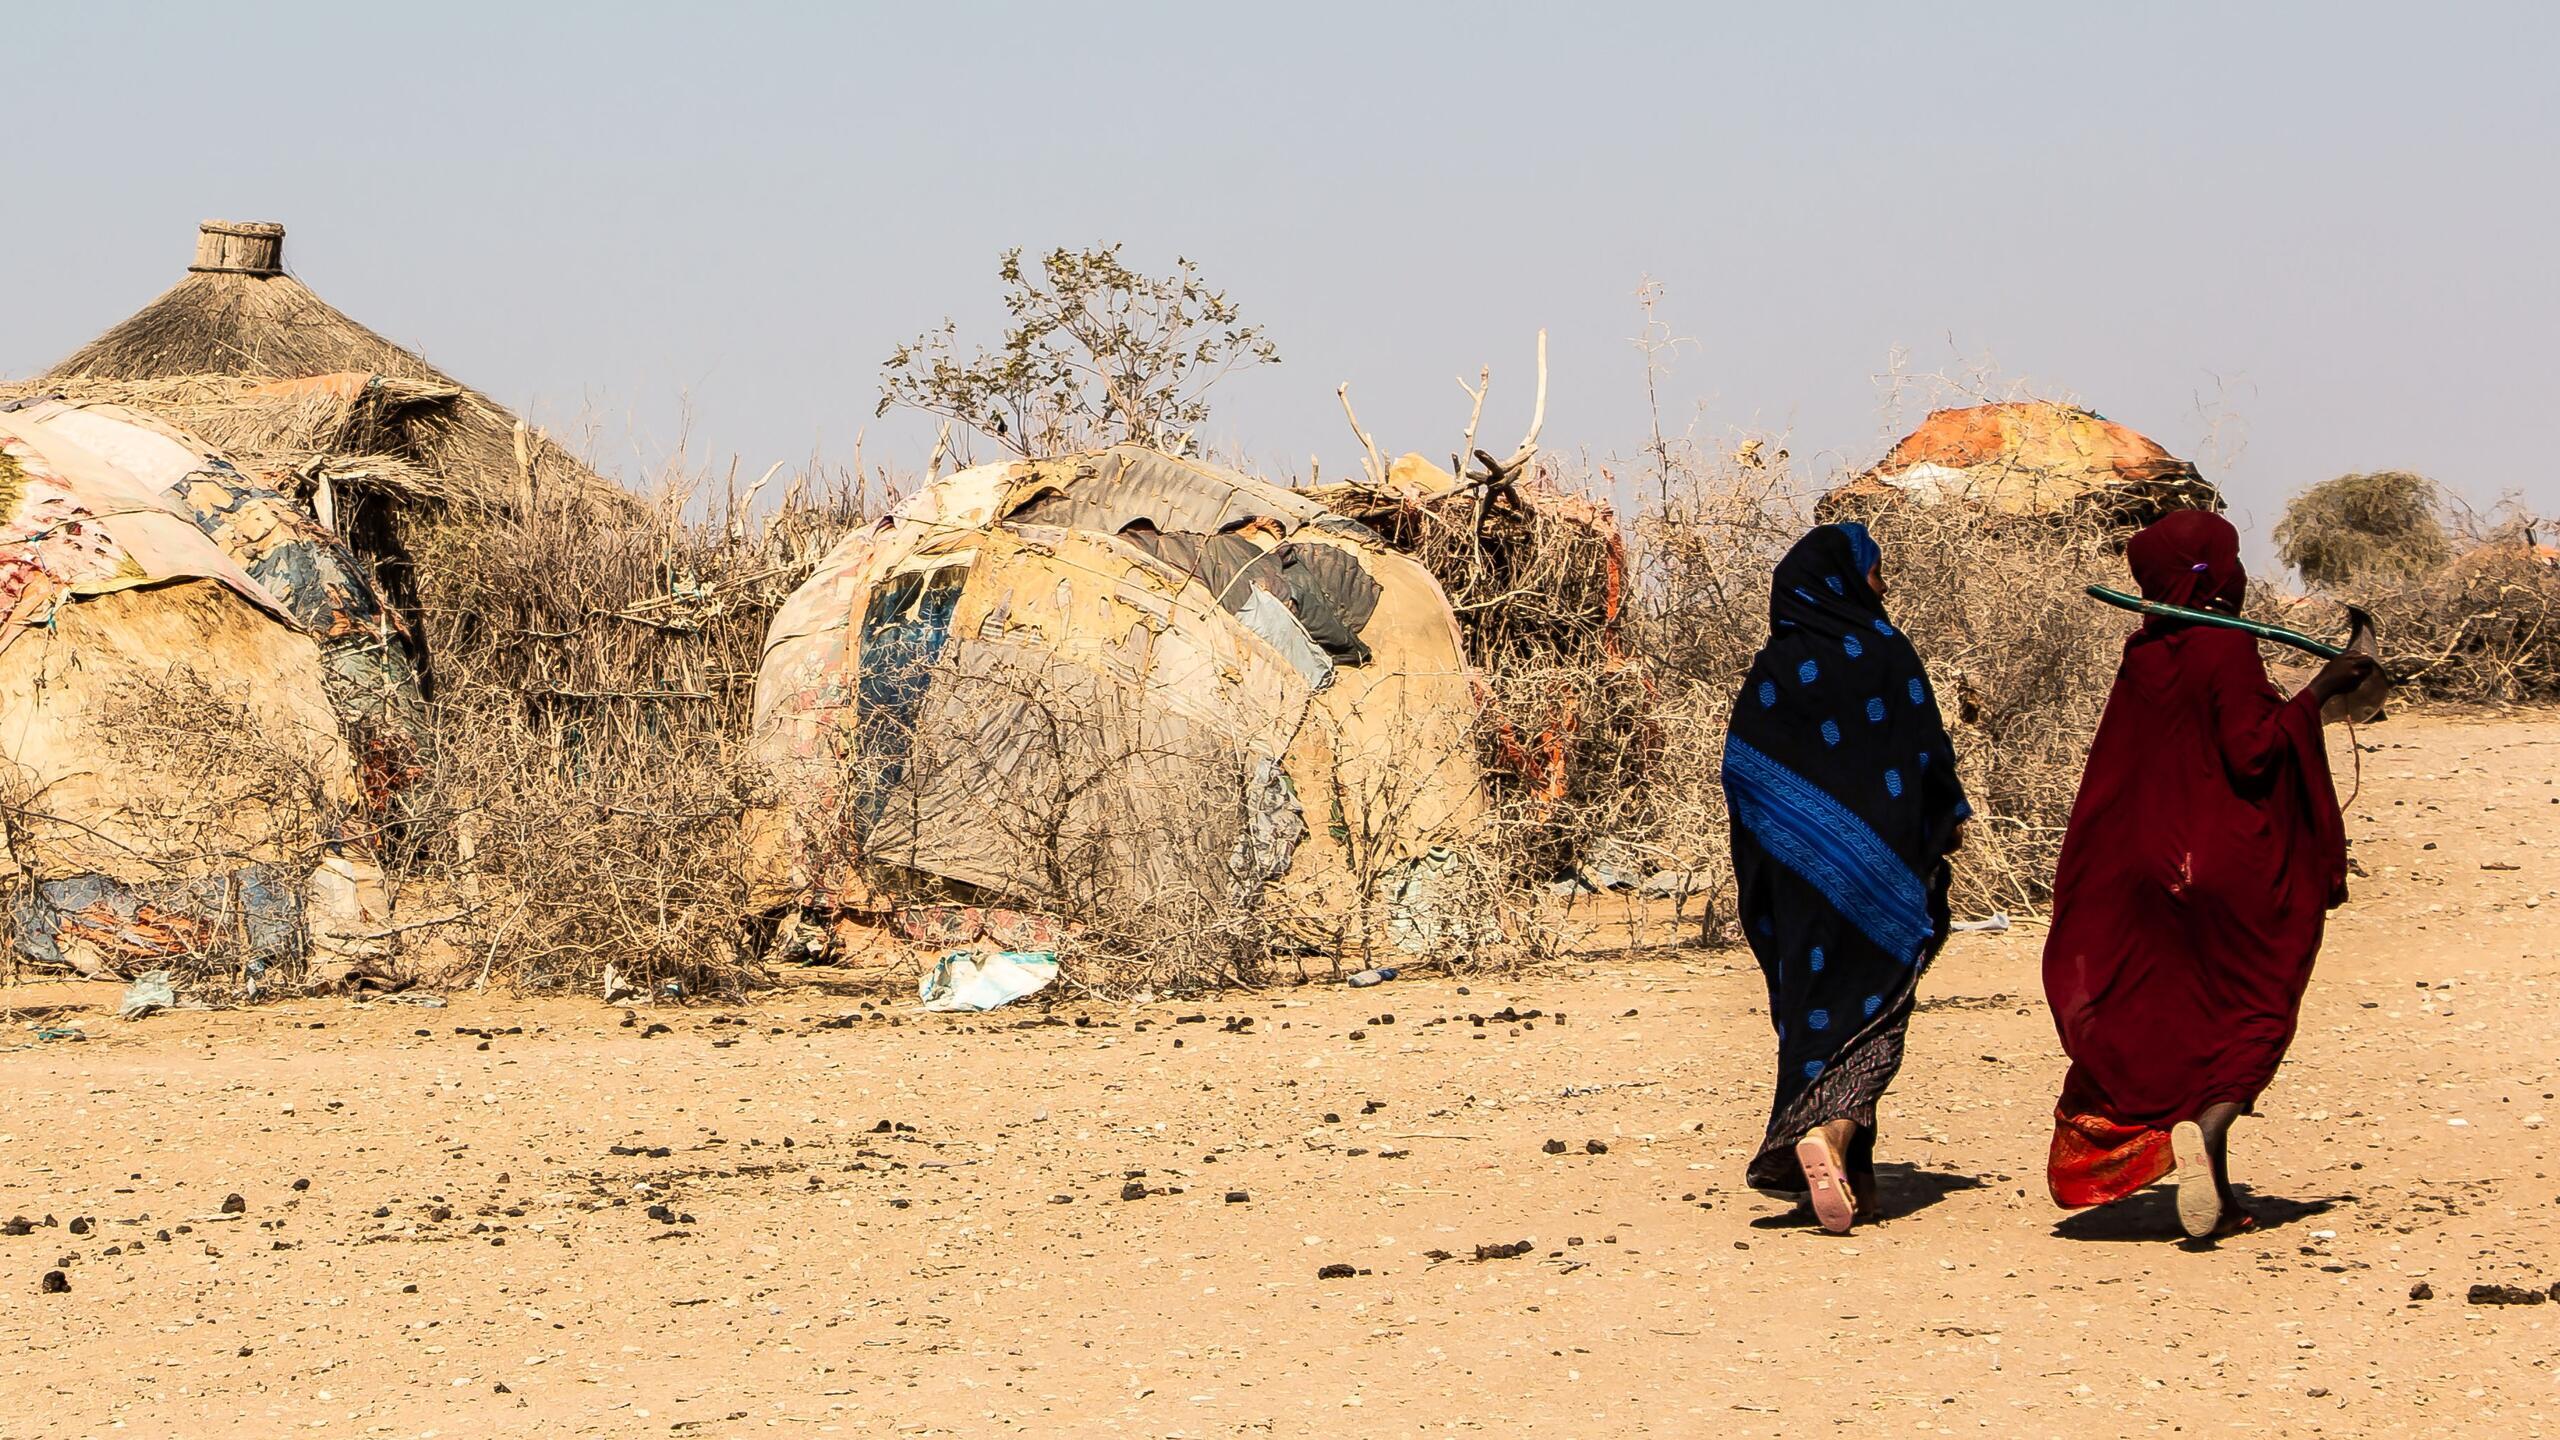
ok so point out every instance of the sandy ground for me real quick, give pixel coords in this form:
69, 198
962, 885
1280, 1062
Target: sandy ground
1114, 1225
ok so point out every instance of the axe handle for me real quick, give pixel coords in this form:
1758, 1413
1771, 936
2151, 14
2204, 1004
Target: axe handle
2263, 631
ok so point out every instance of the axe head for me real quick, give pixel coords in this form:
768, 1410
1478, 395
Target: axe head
2362, 705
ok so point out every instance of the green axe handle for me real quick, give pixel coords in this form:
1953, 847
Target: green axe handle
2277, 633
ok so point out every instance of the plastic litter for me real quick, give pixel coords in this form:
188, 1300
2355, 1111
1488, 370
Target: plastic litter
967, 980
1367, 978
1603, 875
154, 991
1994, 925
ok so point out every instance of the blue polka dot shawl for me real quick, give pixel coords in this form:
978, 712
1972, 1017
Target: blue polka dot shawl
1840, 783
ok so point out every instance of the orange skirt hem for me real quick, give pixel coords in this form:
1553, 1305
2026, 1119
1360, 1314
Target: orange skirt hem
2096, 1160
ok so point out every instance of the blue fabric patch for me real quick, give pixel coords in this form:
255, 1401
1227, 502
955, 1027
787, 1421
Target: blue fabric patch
1883, 629
1874, 1004
1819, 1019
1830, 848
1851, 644
1830, 732
1817, 959
1875, 708
1893, 783
1924, 759
1807, 671
1834, 582
1812, 1069
1768, 693
1918, 695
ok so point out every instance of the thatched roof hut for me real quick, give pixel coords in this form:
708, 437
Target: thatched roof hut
385, 447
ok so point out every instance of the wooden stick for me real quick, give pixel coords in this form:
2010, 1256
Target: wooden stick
1537, 415
941, 447
445, 919
1373, 466
1484, 383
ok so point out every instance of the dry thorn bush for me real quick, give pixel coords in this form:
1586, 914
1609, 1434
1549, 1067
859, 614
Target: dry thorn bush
591, 676
2020, 659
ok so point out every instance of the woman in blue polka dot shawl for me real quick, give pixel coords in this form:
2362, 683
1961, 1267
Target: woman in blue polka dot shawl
1842, 790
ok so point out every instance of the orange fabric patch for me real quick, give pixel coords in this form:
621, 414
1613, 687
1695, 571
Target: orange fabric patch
2096, 1160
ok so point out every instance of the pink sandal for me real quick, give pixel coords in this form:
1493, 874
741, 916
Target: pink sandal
1833, 1205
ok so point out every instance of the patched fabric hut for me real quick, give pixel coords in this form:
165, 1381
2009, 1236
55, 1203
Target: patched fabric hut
172, 778
2027, 458
1088, 683
370, 662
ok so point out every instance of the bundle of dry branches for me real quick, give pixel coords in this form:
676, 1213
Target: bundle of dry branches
589, 767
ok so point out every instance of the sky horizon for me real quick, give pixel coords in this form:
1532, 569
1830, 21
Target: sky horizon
2287, 244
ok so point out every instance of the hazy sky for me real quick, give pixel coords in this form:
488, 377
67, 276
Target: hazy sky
2286, 241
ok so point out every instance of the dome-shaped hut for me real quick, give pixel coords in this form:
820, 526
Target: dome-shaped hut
171, 772
2028, 457
370, 663
1088, 684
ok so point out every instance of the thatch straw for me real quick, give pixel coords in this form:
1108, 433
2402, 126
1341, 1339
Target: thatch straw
238, 316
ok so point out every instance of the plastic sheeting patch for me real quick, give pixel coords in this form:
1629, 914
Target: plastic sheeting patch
966, 980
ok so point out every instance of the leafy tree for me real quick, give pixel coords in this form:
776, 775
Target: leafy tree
1094, 353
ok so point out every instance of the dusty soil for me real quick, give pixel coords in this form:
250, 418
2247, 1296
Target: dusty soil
1112, 1221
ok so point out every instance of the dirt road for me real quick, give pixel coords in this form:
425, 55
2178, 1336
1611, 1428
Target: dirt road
529, 1218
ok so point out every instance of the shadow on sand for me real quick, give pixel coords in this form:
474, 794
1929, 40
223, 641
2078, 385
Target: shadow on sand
1901, 1189
2151, 1216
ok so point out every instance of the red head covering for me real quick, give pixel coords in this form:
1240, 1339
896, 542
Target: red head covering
2190, 558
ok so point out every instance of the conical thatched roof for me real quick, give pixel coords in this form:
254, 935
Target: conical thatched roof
237, 333
411, 467
238, 313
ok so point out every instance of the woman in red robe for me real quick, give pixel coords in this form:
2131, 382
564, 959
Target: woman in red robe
2204, 852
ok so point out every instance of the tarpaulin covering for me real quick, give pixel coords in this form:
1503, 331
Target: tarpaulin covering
371, 668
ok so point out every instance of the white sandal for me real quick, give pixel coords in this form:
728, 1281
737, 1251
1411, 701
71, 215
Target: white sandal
2199, 1198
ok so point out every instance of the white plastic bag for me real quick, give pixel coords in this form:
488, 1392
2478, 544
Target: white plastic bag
966, 980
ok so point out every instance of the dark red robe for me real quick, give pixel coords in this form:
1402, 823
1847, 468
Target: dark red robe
2204, 851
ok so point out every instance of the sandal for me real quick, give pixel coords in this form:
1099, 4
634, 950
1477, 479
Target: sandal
2199, 1198
1829, 1184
